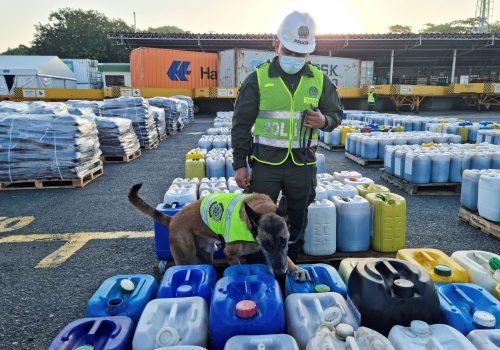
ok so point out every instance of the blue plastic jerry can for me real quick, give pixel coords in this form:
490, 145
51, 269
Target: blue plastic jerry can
188, 281
122, 295
467, 307
247, 270
245, 305
162, 244
324, 278
111, 333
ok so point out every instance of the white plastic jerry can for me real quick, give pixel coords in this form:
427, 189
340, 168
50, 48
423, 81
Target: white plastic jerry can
477, 265
172, 322
320, 234
343, 337
261, 342
342, 175
421, 336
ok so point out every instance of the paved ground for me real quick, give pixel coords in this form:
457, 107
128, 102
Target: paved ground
36, 303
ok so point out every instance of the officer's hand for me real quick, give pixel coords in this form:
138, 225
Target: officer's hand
242, 178
315, 119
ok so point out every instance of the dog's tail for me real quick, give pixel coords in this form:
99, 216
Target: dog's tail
143, 207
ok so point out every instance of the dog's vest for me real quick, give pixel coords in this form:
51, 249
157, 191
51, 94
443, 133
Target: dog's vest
221, 213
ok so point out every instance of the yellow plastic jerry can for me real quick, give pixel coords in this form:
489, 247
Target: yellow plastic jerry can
195, 168
196, 153
439, 265
363, 190
344, 130
347, 266
389, 221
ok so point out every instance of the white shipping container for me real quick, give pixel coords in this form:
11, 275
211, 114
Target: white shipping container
87, 74
236, 64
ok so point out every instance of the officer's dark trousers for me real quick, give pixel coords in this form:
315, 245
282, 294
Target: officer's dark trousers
296, 185
371, 106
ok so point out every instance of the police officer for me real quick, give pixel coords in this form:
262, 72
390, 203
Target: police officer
371, 98
271, 102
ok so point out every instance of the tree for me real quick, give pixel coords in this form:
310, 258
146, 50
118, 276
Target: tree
463, 26
166, 29
20, 50
495, 27
400, 29
75, 33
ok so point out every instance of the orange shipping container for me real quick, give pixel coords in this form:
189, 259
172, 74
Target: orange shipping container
163, 68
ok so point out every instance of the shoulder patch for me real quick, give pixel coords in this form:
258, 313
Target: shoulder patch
215, 211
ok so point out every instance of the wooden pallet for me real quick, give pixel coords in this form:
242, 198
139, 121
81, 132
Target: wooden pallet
172, 133
332, 148
122, 159
150, 145
472, 218
430, 189
369, 163
163, 137
54, 183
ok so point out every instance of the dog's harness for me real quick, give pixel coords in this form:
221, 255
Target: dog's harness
221, 213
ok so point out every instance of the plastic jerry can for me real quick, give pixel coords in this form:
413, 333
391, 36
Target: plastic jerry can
346, 266
363, 190
389, 159
354, 223
369, 148
399, 162
488, 196
171, 322
389, 221
343, 132
440, 266
341, 191
229, 167
320, 233
353, 181
215, 166
485, 339
389, 292
321, 193
344, 337
483, 268
324, 278
187, 281
467, 306
417, 168
162, 234
247, 270
195, 168
305, 312
245, 305
422, 336
470, 186
205, 143
113, 333
180, 195
320, 163
481, 160
381, 147
440, 167
334, 137
122, 295
196, 153
342, 175
262, 342
459, 163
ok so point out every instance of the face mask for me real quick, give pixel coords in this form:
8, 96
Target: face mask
291, 64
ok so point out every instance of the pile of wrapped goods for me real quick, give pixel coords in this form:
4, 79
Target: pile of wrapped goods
117, 137
138, 110
13, 107
183, 113
161, 125
47, 147
188, 117
41, 107
172, 111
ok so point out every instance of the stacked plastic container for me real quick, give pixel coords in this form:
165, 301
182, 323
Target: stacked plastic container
481, 192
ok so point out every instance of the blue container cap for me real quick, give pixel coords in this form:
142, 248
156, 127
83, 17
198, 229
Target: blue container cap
85, 347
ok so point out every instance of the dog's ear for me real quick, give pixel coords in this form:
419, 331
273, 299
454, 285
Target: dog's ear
252, 216
282, 205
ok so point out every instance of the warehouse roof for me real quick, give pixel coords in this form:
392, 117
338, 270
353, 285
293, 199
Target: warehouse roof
410, 49
43, 66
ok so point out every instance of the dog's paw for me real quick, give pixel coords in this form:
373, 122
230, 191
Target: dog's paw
300, 275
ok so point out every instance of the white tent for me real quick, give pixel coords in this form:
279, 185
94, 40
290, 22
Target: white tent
34, 72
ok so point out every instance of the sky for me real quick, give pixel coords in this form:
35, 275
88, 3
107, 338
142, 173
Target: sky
18, 18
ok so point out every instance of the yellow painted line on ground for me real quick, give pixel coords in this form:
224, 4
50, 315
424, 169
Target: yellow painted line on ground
74, 242
8, 224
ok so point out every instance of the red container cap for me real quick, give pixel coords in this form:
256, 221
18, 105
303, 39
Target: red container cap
246, 309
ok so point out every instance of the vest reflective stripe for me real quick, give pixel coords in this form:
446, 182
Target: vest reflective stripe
224, 220
279, 143
280, 112
371, 97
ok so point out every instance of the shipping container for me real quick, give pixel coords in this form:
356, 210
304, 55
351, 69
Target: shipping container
164, 68
236, 64
87, 74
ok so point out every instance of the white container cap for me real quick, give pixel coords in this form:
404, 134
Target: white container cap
420, 328
484, 319
167, 336
331, 316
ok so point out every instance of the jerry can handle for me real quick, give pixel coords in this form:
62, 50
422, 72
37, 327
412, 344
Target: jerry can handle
378, 195
466, 298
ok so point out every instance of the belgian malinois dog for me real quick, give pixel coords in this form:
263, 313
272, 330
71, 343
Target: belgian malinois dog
193, 242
